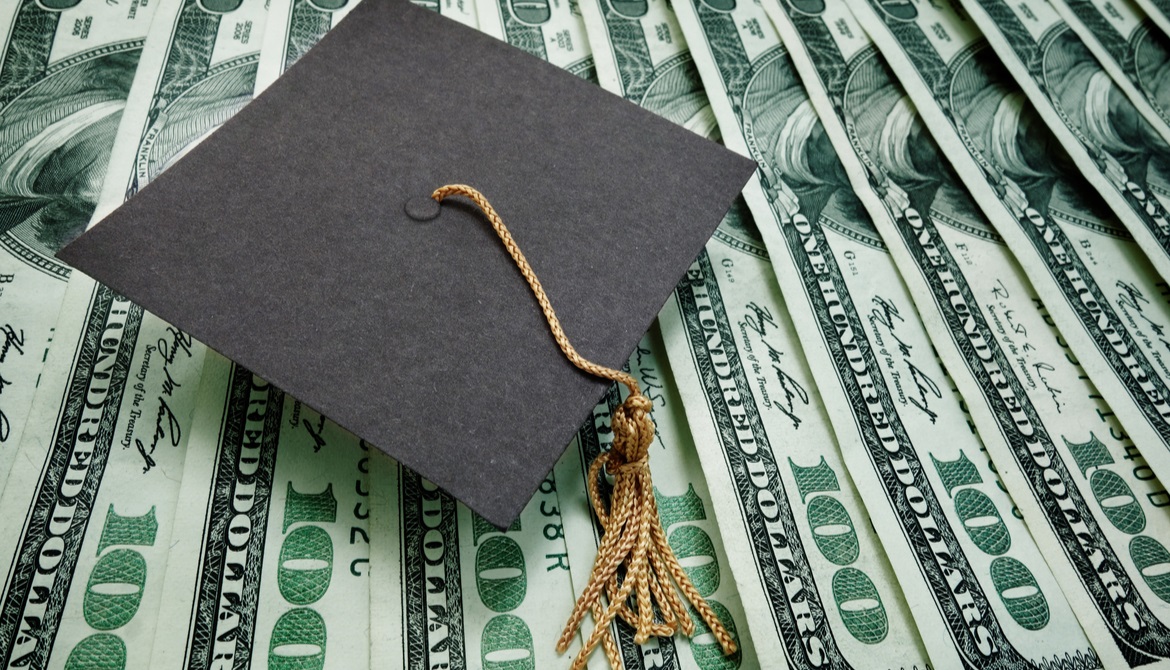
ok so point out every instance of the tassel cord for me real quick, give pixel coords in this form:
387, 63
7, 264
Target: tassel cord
632, 536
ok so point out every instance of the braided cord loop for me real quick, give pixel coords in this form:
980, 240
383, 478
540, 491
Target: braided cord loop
633, 536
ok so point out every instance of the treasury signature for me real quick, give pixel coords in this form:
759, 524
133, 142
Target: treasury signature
171, 346
13, 341
886, 313
758, 320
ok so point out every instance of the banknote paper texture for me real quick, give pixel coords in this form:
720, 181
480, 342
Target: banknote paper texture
861, 617
1126, 44
90, 502
449, 590
1120, 153
901, 427
551, 31
1037, 412
814, 580
65, 73
295, 26
1159, 13
643, 57
270, 557
685, 509
121, 398
198, 69
1109, 307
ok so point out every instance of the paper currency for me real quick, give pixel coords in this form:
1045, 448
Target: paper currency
651, 69
462, 11
551, 31
120, 389
1159, 13
980, 591
1109, 306
1118, 151
198, 69
269, 558
449, 590
1128, 46
861, 616
1037, 412
815, 583
65, 72
88, 509
295, 26
685, 508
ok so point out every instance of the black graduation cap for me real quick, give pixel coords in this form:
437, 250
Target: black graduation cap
299, 241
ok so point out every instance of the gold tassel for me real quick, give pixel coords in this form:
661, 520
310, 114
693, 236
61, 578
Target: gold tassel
633, 535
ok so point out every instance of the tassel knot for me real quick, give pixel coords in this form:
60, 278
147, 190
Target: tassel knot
636, 576
633, 429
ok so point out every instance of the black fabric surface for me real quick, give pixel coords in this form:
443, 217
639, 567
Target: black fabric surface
282, 241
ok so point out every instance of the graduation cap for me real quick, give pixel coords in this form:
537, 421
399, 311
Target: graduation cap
302, 241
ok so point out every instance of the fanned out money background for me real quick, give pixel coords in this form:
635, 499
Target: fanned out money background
912, 399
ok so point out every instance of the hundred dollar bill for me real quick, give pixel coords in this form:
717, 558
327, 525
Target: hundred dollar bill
1127, 45
976, 583
1130, 48
862, 617
1116, 148
295, 26
462, 11
87, 513
387, 626
76, 420
65, 72
643, 57
449, 590
1159, 13
198, 69
270, 553
1040, 417
816, 586
1106, 302
687, 516
551, 30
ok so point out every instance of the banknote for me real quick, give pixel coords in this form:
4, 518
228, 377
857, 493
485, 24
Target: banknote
551, 30
462, 11
269, 562
198, 69
685, 508
816, 586
975, 581
1037, 412
1159, 13
295, 26
1128, 46
1107, 302
115, 375
862, 618
65, 72
1119, 151
449, 590
87, 513
652, 69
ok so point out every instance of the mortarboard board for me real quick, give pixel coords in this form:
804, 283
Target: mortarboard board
300, 240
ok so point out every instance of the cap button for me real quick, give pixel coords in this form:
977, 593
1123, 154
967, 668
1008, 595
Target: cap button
422, 208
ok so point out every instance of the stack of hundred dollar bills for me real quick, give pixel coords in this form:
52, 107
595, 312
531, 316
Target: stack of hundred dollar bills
913, 398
